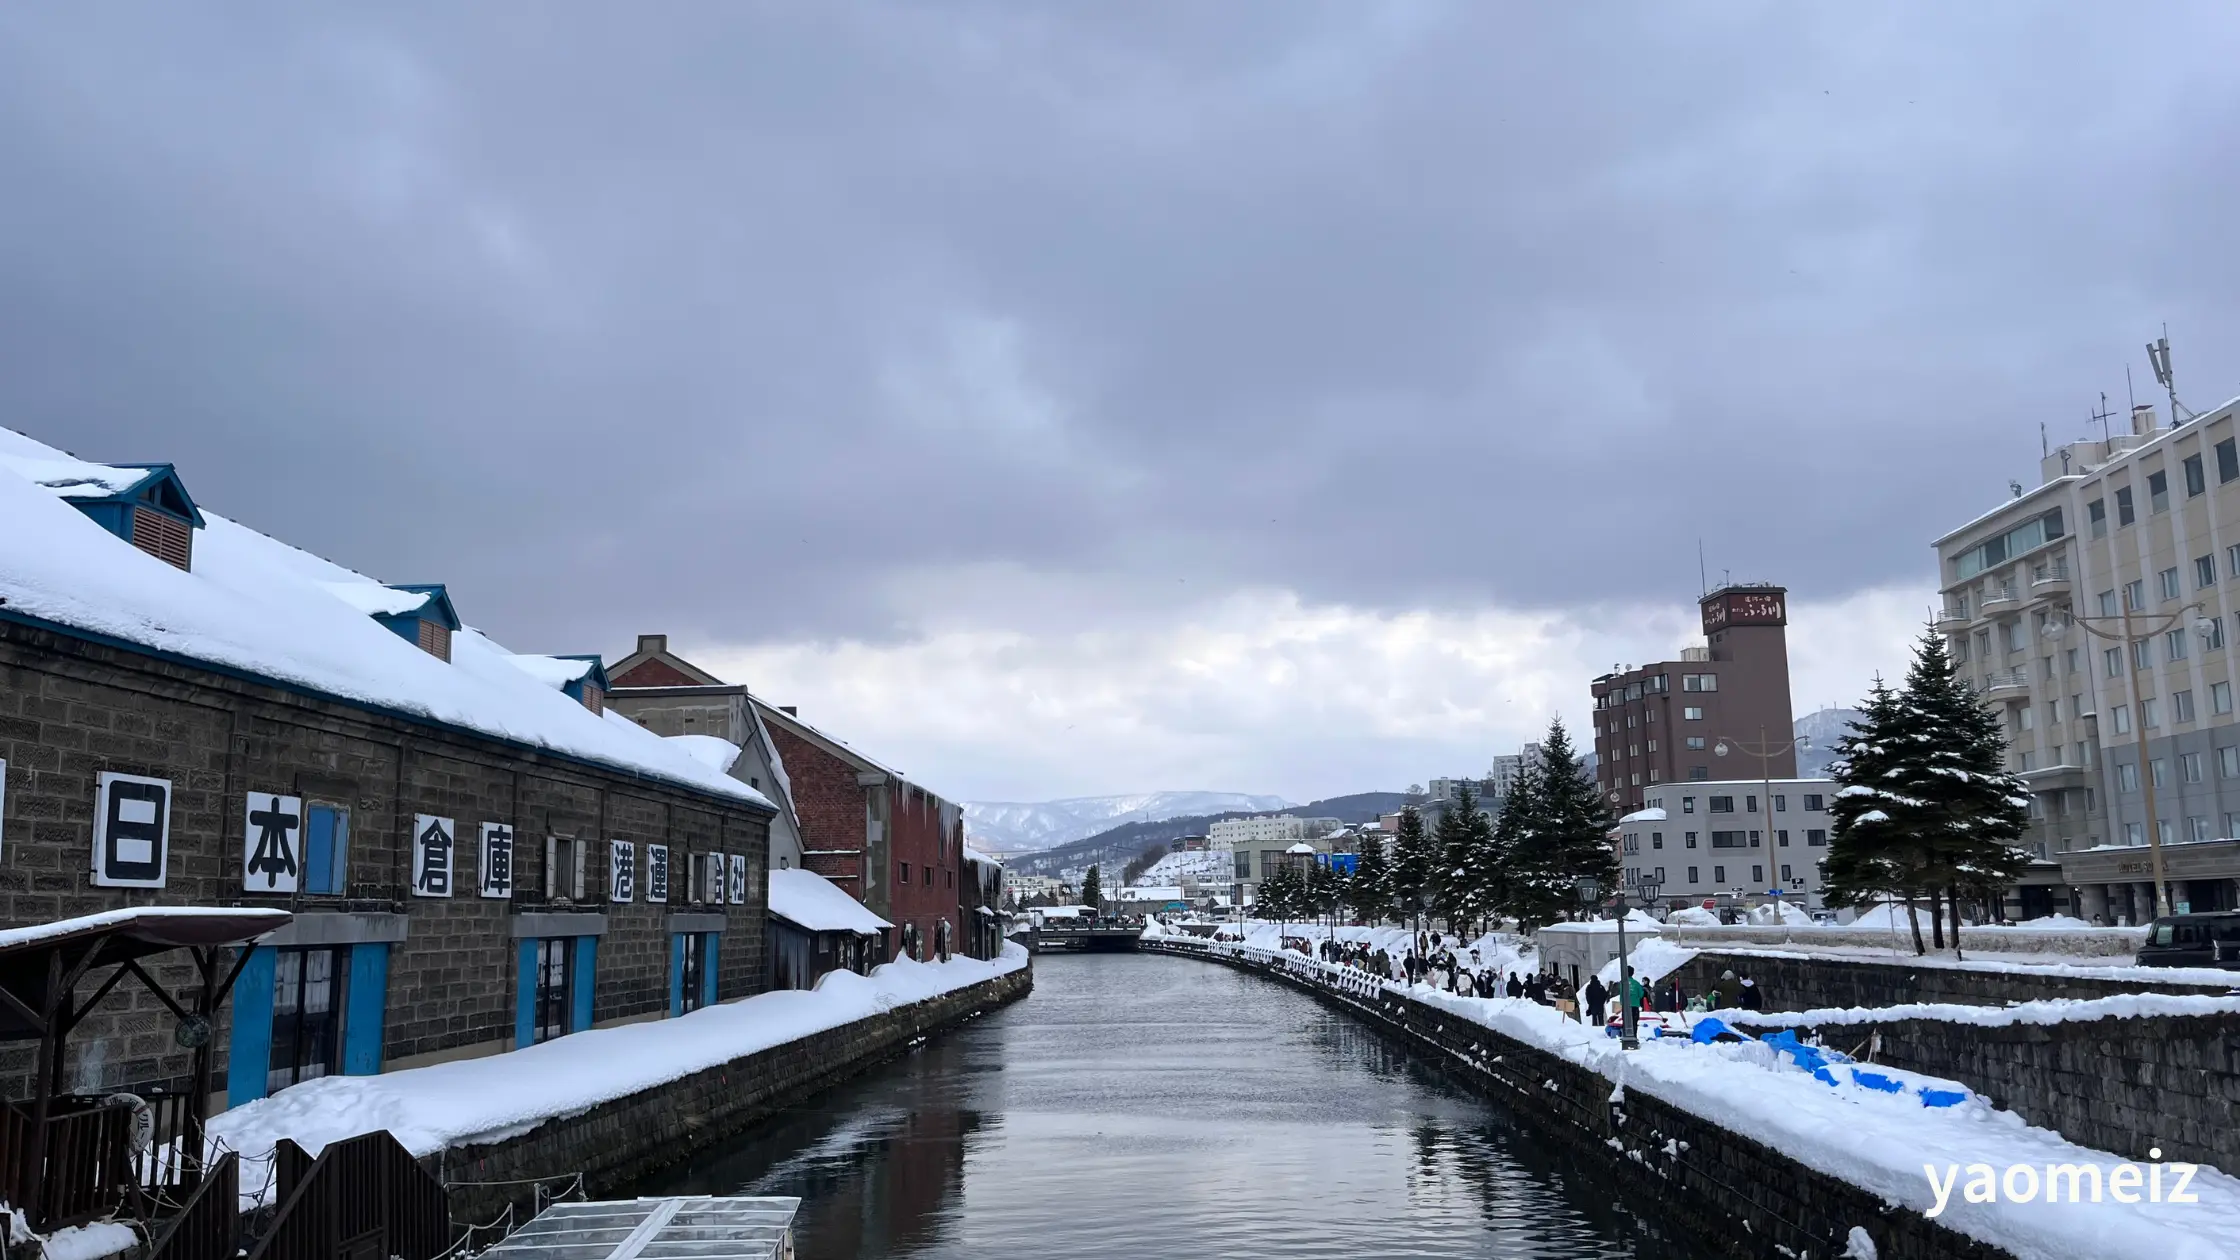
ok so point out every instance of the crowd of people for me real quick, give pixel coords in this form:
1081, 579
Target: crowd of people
1451, 966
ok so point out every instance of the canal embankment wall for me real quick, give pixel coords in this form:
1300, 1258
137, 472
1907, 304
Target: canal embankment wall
1717, 1186
619, 1142
1789, 981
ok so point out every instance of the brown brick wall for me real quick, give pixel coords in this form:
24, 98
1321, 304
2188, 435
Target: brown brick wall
69, 710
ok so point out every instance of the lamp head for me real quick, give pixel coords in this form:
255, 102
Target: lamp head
1719, 749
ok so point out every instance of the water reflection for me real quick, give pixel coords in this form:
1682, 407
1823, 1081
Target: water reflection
1140, 1105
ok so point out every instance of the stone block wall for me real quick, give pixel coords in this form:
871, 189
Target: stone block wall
2121, 1085
618, 1143
71, 709
1794, 982
1707, 1182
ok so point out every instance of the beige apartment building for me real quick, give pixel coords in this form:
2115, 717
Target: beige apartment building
2035, 597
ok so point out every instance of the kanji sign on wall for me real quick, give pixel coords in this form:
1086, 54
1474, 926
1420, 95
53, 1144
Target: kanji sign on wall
622, 872
738, 879
657, 873
432, 853
494, 876
271, 843
131, 830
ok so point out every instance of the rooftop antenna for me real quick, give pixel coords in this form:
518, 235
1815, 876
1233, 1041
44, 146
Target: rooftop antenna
1703, 576
2044, 448
2103, 414
2158, 354
2128, 393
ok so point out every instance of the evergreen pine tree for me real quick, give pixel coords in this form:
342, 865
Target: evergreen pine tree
1092, 890
1450, 854
1367, 892
1280, 894
1871, 852
1568, 839
1409, 876
1971, 811
1509, 833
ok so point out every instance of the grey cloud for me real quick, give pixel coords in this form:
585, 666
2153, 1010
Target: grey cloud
739, 322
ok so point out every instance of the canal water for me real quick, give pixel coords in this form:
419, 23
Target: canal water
1144, 1106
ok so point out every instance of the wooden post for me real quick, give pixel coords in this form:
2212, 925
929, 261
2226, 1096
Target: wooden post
48, 1068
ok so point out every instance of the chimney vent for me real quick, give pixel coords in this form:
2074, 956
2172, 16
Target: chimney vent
653, 643
789, 710
2142, 419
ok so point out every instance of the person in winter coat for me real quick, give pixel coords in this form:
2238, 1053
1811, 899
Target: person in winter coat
1515, 987
1597, 998
1752, 1000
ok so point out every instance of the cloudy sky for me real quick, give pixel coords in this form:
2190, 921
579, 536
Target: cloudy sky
1066, 399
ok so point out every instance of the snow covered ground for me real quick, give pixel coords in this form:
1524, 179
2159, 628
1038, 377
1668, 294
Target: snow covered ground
505, 1095
1890, 1143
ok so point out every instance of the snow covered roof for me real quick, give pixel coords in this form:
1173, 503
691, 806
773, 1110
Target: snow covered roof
1644, 815
1165, 892
555, 672
712, 750
161, 926
257, 606
977, 858
817, 904
1301, 847
840, 746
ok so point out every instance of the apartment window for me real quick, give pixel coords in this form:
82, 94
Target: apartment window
2124, 514
2213, 639
2220, 697
2048, 673
1660, 876
2150, 713
2069, 659
2096, 516
1959, 650
1785, 875
2053, 708
1699, 682
1690, 713
2142, 654
905, 872
2204, 571
2181, 706
2232, 825
1654, 774
1692, 876
1722, 804
1730, 840
1718, 874
2134, 834
2174, 644
2190, 766
2120, 715
1816, 837
2127, 777
2196, 482
1781, 837
1687, 804
1780, 803
2029, 761
1757, 875
1750, 803
2114, 659
1656, 839
2135, 594
2228, 761
2228, 460
2166, 831
563, 868
2158, 492
2197, 828
1652, 745
2108, 603
1699, 773
2169, 581
1814, 802
1691, 844
2022, 718
326, 848
307, 1006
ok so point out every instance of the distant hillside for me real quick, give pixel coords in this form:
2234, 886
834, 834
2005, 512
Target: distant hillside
1114, 846
1012, 827
1823, 728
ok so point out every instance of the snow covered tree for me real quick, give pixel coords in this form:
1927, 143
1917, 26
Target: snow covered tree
1463, 842
1367, 892
1872, 851
1323, 887
1509, 831
1568, 837
1409, 877
1280, 895
1092, 890
1971, 813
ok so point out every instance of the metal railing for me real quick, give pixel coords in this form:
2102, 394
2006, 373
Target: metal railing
2050, 572
2005, 593
2002, 679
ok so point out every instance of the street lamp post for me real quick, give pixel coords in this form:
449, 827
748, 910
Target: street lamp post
1590, 893
1765, 752
2125, 630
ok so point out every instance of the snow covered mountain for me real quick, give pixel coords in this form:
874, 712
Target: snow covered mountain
1823, 727
1031, 826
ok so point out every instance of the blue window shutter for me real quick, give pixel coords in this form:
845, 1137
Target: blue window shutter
587, 963
676, 974
249, 1053
525, 995
362, 1022
318, 850
708, 967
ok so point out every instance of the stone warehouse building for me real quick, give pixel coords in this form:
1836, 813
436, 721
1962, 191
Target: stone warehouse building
478, 855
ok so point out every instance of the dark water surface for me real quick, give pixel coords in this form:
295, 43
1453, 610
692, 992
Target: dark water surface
1146, 1107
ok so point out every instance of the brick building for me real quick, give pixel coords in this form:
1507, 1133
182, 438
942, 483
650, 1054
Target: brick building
893, 845
477, 855
1665, 723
